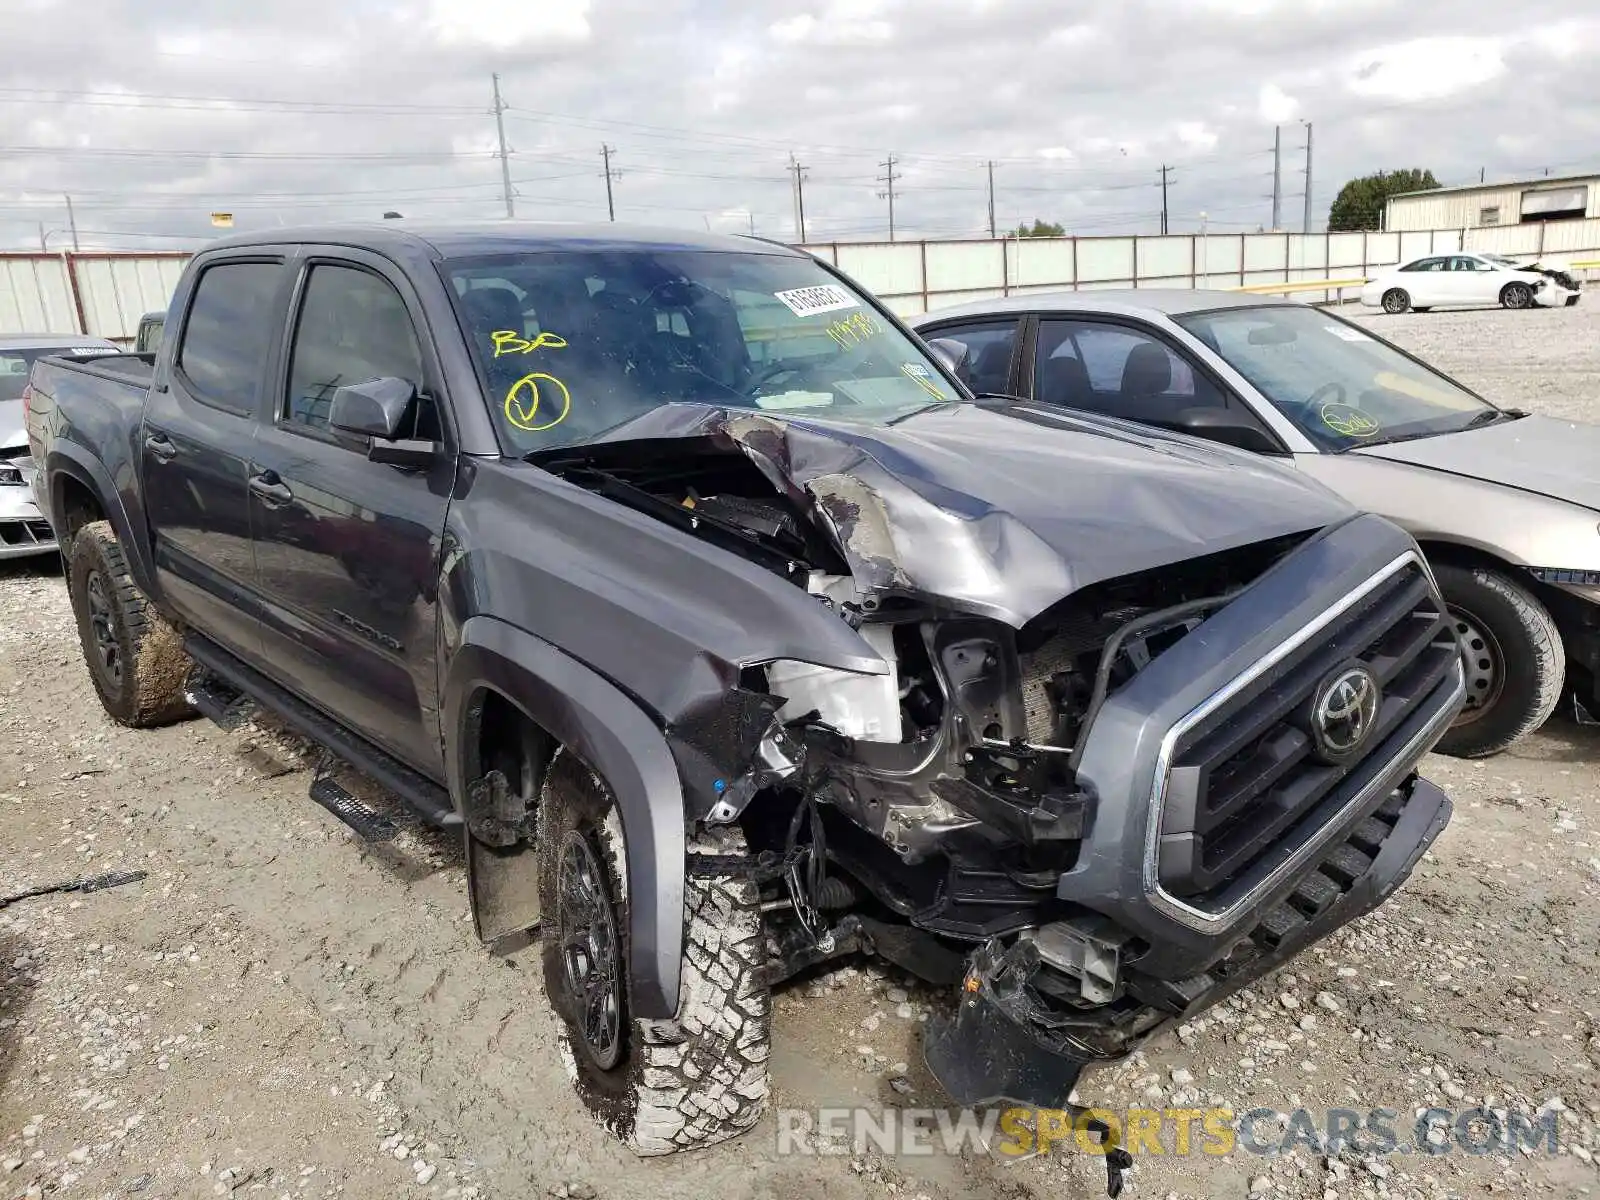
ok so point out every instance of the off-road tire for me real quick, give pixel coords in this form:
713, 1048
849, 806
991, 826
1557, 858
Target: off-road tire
142, 683
1532, 659
701, 1077
1396, 301
1516, 295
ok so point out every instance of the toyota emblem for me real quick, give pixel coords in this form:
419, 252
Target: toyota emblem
1344, 713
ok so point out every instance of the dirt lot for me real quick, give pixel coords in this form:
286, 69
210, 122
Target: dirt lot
280, 1009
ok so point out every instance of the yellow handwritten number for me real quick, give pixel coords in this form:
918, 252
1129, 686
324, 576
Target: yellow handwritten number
522, 402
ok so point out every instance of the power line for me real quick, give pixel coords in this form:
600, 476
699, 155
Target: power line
505, 155
605, 154
888, 179
799, 197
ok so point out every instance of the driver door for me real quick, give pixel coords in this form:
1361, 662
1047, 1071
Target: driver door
347, 549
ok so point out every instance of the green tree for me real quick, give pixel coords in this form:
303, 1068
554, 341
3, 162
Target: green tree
1360, 202
1041, 229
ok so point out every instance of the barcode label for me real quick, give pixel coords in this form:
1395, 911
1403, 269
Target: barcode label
809, 301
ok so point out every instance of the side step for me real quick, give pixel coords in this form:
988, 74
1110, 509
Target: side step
430, 801
216, 701
369, 826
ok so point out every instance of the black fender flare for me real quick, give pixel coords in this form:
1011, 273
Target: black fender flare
68, 460
612, 735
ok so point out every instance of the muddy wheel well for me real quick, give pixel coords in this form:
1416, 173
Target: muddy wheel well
500, 737
79, 507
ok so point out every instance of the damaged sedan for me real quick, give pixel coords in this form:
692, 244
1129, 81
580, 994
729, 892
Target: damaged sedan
735, 637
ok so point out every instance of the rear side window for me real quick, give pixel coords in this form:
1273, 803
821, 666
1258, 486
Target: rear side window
229, 327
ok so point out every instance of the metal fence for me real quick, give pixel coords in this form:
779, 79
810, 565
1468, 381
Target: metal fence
103, 294
915, 277
106, 293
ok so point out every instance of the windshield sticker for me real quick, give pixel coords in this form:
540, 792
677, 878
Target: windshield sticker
851, 331
920, 375
509, 341
524, 399
1348, 422
822, 298
1348, 334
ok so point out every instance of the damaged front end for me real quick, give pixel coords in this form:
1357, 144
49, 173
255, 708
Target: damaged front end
1087, 789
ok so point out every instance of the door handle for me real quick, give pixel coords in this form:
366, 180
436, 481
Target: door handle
274, 493
160, 447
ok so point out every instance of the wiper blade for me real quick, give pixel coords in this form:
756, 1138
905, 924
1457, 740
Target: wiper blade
1490, 415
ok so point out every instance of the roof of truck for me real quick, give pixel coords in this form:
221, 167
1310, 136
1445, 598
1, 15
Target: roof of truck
460, 239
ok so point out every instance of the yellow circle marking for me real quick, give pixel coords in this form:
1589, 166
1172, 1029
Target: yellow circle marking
524, 415
1350, 422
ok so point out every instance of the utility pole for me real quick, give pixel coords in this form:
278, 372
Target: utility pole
1306, 224
1277, 178
505, 156
43, 241
991, 199
72, 222
1165, 171
605, 155
888, 179
752, 217
799, 197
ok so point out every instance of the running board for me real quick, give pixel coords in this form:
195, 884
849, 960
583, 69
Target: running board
368, 825
430, 801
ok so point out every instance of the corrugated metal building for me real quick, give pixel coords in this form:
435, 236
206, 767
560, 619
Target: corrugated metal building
1484, 204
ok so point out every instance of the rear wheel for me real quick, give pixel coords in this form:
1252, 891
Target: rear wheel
1396, 301
661, 1086
135, 658
1513, 656
1516, 295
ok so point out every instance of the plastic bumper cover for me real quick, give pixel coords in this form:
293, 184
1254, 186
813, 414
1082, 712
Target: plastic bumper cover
998, 1045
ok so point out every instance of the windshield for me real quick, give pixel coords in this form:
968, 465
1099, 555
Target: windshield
573, 343
1340, 385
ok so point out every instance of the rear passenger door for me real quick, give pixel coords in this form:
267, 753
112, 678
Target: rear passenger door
348, 549
197, 437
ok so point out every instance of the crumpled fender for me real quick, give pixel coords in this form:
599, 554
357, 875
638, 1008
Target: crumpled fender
614, 737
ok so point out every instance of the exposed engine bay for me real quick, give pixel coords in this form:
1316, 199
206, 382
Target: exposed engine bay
939, 797
947, 800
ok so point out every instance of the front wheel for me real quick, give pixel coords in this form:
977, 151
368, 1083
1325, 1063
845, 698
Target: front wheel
660, 1086
135, 658
1516, 295
1396, 301
1513, 656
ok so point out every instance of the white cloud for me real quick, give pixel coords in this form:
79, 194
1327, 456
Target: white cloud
839, 23
509, 23
1197, 135
1276, 105
1427, 68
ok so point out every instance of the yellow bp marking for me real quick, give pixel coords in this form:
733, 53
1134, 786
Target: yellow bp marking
509, 341
522, 410
1350, 422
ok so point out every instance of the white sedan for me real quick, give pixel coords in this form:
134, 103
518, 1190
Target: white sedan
1442, 280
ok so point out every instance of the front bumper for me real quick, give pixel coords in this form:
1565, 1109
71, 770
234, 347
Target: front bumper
1553, 295
1003, 1044
24, 530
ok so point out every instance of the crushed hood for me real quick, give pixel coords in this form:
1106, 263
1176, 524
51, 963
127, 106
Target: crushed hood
1004, 513
1559, 459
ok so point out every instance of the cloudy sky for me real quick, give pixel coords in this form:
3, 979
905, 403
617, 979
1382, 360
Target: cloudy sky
154, 113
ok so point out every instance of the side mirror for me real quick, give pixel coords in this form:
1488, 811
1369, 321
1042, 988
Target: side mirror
375, 408
948, 353
1228, 427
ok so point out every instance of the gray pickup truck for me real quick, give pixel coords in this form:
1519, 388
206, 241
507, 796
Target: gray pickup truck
736, 636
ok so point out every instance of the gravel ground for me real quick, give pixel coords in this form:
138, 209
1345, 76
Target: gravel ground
279, 1009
